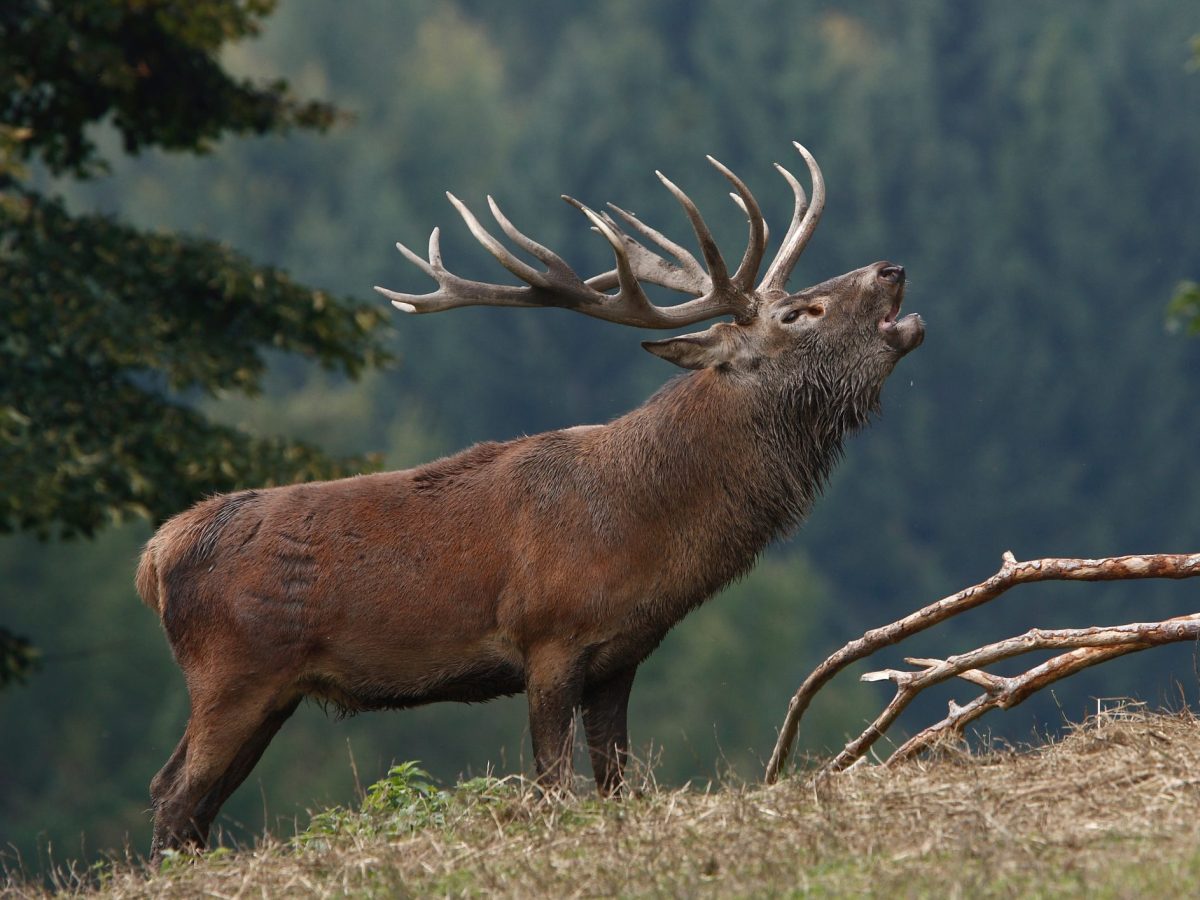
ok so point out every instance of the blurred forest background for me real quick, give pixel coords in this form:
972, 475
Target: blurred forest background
1036, 167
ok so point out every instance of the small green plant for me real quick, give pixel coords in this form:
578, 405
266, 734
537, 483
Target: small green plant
407, 797
403, 801
101, 872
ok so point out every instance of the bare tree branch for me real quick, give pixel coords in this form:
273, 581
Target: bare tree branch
1010, 574
1006, 693
1126, 638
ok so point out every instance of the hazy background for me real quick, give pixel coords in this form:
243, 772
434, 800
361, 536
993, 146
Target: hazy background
1036, 168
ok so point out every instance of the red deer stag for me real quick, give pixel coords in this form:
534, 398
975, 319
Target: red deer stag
551, 564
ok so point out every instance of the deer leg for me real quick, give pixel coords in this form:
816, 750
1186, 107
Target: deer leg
215, 736
164, 782
605, 722
554, 685
243, 763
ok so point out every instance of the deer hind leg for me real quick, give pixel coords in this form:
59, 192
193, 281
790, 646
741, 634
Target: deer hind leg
554, 685
163, 784
246, 759
224, 738
605, 722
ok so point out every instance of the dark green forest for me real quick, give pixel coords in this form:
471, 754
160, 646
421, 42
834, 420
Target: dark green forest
1035, 167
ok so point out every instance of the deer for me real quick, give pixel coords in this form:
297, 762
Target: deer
551, 564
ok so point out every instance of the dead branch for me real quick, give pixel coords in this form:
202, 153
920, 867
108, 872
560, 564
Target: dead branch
1011, 573
1125, 638
1005, 693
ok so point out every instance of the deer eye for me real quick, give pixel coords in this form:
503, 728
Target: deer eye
790, 316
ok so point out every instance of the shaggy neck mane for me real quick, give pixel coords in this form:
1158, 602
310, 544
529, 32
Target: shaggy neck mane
725, 467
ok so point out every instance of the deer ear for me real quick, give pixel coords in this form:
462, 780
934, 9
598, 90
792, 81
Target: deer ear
702, 350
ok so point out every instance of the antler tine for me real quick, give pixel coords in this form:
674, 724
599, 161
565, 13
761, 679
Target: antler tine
401, 301
804, 221
798, 213
717, 301
687, 277
756, 246
435, 250
708, 246
522, 270
552, 260
429, 268
687, 262
741, 204
630, 294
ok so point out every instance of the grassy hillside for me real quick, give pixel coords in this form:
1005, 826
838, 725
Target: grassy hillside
1111, 810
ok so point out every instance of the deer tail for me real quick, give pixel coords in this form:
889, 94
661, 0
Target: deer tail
147, 581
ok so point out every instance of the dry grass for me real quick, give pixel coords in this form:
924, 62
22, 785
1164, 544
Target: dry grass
1110, 810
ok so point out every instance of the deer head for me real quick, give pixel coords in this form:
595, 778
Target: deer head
846, 327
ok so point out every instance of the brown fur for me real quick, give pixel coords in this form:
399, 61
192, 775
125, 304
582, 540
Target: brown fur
551, 564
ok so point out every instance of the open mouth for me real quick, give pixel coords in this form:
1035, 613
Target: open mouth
890, 318
904, 334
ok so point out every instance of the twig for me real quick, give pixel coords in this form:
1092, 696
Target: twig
1010, 574
1125, 638
1012, 691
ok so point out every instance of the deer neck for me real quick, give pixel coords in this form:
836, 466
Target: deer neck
718, 463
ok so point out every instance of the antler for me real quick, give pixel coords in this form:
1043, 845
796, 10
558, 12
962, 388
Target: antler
717, 292
804, 223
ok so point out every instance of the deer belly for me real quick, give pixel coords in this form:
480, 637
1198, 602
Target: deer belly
400, 674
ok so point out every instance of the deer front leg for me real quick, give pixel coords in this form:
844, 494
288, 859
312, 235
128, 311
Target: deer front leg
605, 718
554, 685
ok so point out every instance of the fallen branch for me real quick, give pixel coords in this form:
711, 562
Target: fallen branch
1005, 693
1120, 638
1011, 573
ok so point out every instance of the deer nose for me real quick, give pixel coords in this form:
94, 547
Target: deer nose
892, 274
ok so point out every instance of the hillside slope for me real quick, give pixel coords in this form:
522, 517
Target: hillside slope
1112, 809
